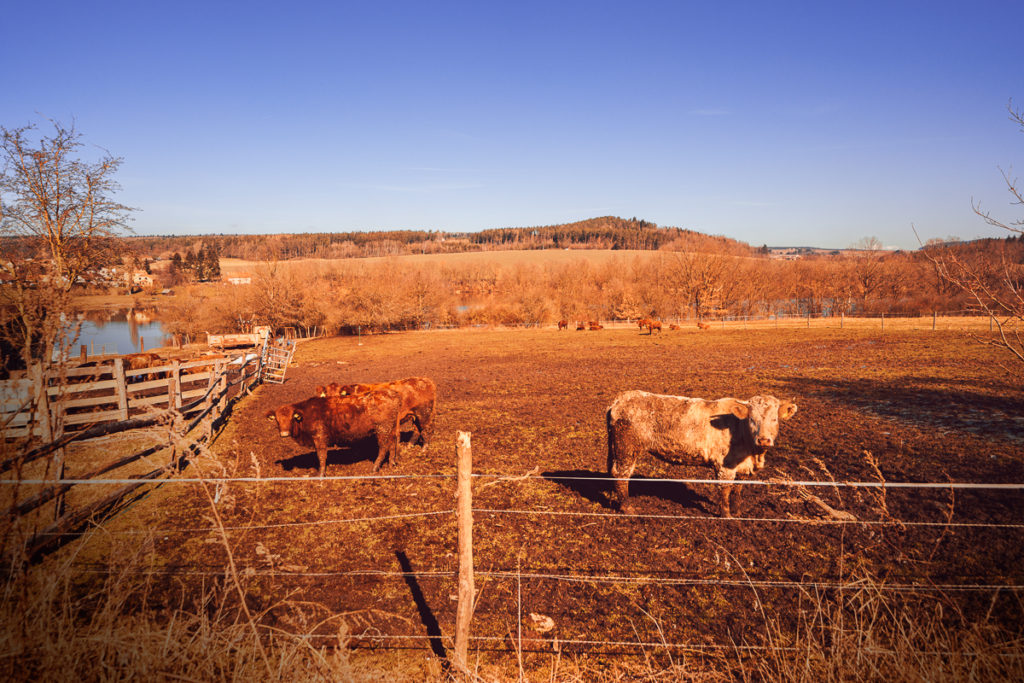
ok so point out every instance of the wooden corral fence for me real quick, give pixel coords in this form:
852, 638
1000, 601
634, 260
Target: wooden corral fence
187, 397
107, 392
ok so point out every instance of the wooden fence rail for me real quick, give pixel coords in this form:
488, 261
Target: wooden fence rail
183, 402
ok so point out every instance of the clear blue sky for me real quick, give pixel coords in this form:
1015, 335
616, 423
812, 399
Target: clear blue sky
813, 123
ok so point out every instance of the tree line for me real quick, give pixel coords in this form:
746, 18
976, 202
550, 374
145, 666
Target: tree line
393, 294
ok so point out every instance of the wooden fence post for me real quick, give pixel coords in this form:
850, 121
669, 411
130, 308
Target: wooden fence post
46, 429
121, 388
174, 386
464, 508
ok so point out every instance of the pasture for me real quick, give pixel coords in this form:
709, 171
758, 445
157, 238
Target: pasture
373, 559
504, 257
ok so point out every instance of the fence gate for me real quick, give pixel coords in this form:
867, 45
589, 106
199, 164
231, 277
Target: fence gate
276, 355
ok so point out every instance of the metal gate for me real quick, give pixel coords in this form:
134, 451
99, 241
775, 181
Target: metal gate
276, 355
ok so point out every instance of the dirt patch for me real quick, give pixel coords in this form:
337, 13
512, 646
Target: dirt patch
379, 553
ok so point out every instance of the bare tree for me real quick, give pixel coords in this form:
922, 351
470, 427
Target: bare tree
57, 216
994, 282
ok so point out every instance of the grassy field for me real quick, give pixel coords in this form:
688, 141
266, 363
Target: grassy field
501, 258
810, 583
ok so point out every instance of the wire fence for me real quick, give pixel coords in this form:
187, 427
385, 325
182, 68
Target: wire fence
591, 577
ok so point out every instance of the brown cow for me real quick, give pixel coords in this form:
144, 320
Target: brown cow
653, 325
642, 323
704, 326
594, 325
140, 361
419, 394
324, 422
729, 435
673, 327
563, 325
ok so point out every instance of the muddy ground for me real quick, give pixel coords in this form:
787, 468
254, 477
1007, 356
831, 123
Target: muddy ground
905, 406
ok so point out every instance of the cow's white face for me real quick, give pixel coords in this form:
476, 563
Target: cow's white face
764, 415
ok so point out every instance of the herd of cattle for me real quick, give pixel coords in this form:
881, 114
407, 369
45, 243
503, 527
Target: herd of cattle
644, 323
729, 435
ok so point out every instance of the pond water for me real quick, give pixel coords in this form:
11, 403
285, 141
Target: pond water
120, 332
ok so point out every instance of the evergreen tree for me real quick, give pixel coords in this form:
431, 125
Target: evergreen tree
212, 262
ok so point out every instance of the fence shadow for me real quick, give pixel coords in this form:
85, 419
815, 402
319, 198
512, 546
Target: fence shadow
597, 487
426, 614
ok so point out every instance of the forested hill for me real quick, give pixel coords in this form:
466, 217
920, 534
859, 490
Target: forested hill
607, 232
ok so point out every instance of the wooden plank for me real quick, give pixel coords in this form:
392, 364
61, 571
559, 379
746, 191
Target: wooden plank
134, 402
89, 418
149, 371
20, 432
87, 402
84, 386
86, 372
143, 386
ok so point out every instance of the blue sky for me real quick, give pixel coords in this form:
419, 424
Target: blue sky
777, 123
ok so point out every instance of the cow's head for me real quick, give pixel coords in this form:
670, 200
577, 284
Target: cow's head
287, 417
763, 414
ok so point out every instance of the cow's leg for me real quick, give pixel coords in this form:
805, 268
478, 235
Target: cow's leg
384, 442
387, 444
622, 473
423, 415
622, 461
727, 490
736, 499
321, 456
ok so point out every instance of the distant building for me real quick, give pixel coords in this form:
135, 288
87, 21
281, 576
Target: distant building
240, 278
141, 278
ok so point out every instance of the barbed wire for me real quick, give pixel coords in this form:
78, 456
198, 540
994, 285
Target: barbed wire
252, 527
586, 579
519, 478
781, 520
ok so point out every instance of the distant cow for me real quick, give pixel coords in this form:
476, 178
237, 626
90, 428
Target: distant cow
704, 326
653, 325
324, 422
140, 361
642, 323
729, 435
673, 326
418, 394
594, 325
563, 325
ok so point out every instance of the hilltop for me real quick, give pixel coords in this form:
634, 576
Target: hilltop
605, 232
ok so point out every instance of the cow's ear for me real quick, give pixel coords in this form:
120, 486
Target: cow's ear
787, 410
740, 410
